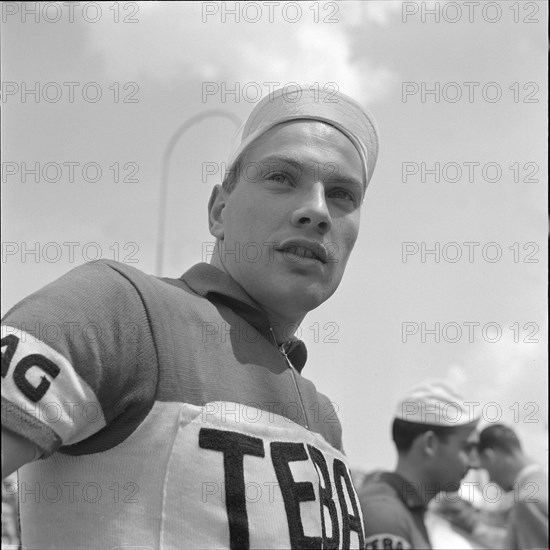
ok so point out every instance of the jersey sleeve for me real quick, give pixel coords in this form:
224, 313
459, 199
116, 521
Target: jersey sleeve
528, 526
79, 367
386, 526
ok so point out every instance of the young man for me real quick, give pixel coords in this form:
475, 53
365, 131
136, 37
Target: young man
433, 431
172, 413
500, 453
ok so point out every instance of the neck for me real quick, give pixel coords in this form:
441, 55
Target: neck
283, 330
425, 488
284, 326
518, 462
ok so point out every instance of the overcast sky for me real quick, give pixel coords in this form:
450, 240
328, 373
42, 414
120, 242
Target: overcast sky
461, 91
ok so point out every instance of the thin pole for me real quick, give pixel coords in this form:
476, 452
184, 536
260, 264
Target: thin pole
165, 169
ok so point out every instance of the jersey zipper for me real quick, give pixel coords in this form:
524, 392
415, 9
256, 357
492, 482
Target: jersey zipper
282, 350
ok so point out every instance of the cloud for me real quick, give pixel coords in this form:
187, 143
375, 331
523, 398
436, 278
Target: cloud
380, 12
508, 379
171, 42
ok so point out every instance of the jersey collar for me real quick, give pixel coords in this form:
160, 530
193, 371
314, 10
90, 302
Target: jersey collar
406, 490
213, 284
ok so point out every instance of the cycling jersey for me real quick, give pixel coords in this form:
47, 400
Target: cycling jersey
167, 416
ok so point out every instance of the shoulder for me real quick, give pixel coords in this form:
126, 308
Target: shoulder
531, 505
382, 505
528, 524
104, 292
374, 487
91, 286
108, 276
92, 316
383, 511
532, 492
90, 333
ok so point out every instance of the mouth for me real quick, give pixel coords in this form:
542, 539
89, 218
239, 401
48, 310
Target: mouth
305, 249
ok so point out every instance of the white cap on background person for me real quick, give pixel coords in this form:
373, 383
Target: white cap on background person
435, 403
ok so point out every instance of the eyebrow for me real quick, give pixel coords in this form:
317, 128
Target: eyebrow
298, 165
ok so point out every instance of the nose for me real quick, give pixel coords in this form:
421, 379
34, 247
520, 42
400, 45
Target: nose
312, 210
473, 459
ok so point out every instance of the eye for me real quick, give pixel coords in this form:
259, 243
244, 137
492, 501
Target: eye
279, 177
342, 194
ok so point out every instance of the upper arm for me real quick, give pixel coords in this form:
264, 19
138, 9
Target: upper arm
16, 452
528, 525
386, 526
69, 366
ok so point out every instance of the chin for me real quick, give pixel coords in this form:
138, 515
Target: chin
291, 297
312, 297
301, 302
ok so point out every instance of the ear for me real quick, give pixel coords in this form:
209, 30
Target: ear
488, 455
430, 443
216, 205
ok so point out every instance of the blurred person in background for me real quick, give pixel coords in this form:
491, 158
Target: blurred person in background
501, 454
454, 522
10, 531
434, 432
